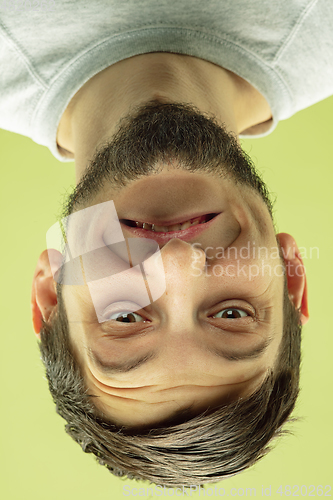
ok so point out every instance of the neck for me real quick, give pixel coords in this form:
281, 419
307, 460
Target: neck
93, 114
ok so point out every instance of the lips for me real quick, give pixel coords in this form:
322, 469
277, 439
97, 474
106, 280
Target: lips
192, 227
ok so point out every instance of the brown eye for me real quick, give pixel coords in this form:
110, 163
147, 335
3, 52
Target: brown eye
231, 313
126, 317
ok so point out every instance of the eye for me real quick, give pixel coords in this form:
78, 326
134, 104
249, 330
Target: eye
231, 313
125, 317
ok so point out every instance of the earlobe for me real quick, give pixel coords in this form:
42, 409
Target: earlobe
44, 293
296, 278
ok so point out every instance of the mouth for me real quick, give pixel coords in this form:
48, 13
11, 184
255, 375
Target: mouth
163, 231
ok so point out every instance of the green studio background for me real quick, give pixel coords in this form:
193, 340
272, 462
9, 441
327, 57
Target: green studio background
38, 460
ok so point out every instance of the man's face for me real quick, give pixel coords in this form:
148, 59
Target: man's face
215, 333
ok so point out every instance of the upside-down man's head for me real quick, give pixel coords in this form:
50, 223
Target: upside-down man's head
192, 387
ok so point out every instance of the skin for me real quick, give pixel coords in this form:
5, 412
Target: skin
182, 327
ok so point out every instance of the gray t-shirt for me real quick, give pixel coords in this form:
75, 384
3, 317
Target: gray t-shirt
284, 48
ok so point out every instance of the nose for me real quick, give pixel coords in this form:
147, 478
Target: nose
183, 262
184, 269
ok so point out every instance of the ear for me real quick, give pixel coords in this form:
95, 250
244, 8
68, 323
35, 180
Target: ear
44, 292
296, 278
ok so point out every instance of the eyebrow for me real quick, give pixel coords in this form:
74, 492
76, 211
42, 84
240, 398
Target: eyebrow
113, 367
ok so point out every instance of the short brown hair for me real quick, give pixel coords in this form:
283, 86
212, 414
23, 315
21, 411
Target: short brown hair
204, 449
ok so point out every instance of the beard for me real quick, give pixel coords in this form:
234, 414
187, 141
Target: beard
156, 134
